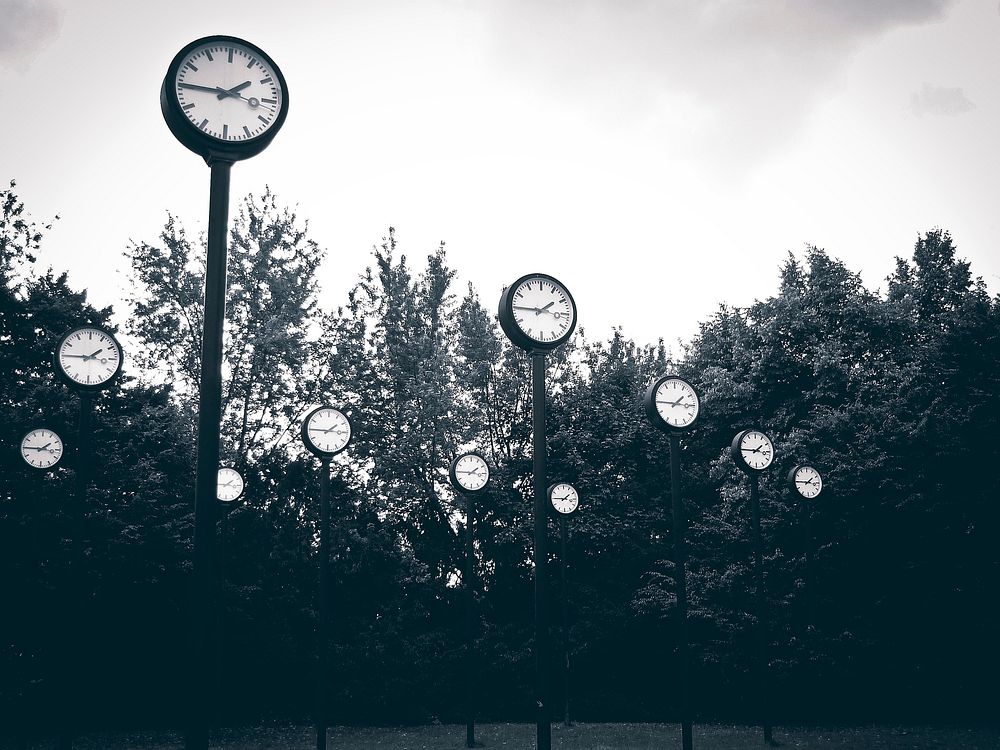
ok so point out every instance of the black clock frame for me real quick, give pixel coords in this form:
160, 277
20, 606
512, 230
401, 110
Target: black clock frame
227, 503
738, 456
208, 147
310, 446
453, 478
790, 478
94, 387
653, 414
552, 507
513, 331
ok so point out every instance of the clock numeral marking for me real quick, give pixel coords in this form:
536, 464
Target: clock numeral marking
263, 119
252, 61
208, 54
192, 66
203, 123
269, 101
230, 54
266, 80
188, 106
225, 131
246, 130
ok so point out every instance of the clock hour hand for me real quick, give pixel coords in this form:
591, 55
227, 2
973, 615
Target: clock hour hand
223, 93
546, 308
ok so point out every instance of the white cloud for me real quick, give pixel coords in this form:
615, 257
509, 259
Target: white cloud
26, 27
940, 100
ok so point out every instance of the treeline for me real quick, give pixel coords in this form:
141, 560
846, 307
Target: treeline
892, 394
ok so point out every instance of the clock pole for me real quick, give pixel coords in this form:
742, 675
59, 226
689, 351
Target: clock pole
563, 534
680, 576
758, 574
542, 719
322, 665
470, 620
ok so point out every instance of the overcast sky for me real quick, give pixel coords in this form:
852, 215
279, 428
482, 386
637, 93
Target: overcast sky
659, 158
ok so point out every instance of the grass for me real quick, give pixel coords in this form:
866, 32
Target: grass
577, 737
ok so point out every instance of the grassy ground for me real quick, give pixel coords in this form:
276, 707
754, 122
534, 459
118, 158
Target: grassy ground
578, 737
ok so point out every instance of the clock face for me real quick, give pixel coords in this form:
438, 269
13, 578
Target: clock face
471, 472
564, 498
230, 484
88, 357
229, 90
808, 482
326, 431
542, 309
676, 403
756, 450
41, 448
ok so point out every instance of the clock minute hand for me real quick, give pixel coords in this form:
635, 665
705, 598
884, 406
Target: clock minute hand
223, 93
210, 89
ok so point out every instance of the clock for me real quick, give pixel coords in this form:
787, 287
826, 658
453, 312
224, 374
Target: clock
326, 431
537, 313
564, 498
224, 98
469, 473
805, 480
753, 451
88, 358
230, 485
672, 404
41, 448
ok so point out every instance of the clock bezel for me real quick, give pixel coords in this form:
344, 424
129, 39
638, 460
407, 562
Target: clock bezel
738, 455
312, 447
453, 476
243, 482
653, 414
552, 508
790, 478
90, 387
513, 331
42, 429
208, 147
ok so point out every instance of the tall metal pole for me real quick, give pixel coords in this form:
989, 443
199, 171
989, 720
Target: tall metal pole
76, 619
758, 573
323, 625
470, 622
564, 603
680, 566
542, 718
203, 621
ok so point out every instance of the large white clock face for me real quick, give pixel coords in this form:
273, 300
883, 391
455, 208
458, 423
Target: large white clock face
328, 430
471, 472
41, 448
808, 482
89, 356
756, 450
227, 91
564, 498
230, 484
542, 309
677, 403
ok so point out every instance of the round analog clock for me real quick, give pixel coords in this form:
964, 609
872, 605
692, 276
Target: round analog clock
223, 97
753, 451
469, 472
230, 485
672, 404
564, 498
537, 312
88, 358
326, 431
41, 448
805, 480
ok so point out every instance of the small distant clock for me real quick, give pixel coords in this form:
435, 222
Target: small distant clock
805, 480
564, 498
41, 448
326, 431
224, 98
537, 313
88, 358
469, 473
672, 404
230, 485
753, 451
